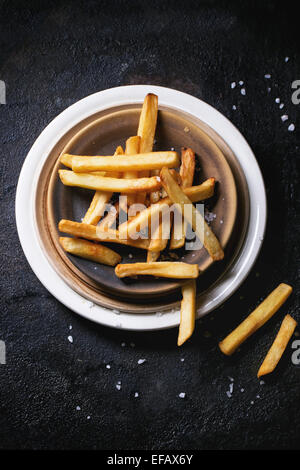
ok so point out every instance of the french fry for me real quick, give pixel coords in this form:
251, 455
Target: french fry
132, 147
136, 162
256, 319
278, 347
187, 170
146, 130
67, 159
168, 269
100, 199
152, 256
193, 217
92, 251
107, 184
177, 178
187, 312
91, 232
142, 220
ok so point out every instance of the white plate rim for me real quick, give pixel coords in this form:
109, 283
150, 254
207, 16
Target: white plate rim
33, 164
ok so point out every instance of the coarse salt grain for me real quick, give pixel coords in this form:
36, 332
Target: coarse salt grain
141, 361
181, 395
243, 91
277, 100
228, 394
70, 338
136, 395
107, 366
242, 390
286, 59
118, 386
233, 85
291, 127
78, 408
267, 75
281, 105
262, 382
241, 82
70, 327
234, 107
284, 117
123, 345
88, 417
182, 359
130, 255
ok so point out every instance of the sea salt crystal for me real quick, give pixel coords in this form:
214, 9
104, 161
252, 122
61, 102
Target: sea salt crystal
281, 105
210, 216
267, 75
231, 388
181, 395
107, 366
242, 390
284, 117
252, 402
262, 382
241, 82
291, 127
70, 327
130, 256
234, 107
141, 361
243, 91
186, 129
268, 89
78, 408
277, 100
231, 379
228, 394
88, 417
221, 221
70, 338
123, 345
136, 394
233, 85
172, 149
182, 359
118, 386
286, 59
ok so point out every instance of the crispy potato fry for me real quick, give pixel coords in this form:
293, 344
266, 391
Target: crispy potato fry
278, 347
111, 185
67, 159
256, 319
174, 270
92, 251
100, 199
152, 256
146, 130
187, 312
91, 232
132, 148
193, 217
137, 162
142, 220
187, 171
177, 178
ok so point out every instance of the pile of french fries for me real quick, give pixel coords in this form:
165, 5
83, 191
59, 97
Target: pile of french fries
148, 183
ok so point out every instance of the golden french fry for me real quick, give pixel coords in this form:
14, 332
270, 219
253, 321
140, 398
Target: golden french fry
92, 251
146, 130
152, 256
187, 312
132, 148
193, 217
174, 270
91, 232
67, 159
111, 185
278, 347
177, 178
100, 199
137, 162
256, 319
187, 171
142, 220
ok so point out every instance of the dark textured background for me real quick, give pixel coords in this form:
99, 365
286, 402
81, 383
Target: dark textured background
50, 57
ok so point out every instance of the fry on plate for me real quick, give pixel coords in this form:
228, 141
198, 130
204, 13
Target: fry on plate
92, 232
132, 148
142, 220
192, 216
187, 171
100, 199
137, 162
256, 319
187, 312
92, 251
146, 131
173, 270
104, 183
278, 347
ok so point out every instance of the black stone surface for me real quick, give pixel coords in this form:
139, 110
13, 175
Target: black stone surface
57, 52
